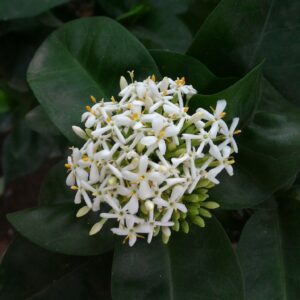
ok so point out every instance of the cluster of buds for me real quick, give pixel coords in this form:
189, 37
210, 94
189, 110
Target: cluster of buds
146, 162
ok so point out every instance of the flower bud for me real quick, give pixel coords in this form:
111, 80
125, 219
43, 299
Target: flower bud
82, 211
149, 205
205, 213
79, 132
123, 83
198, 221
210, 204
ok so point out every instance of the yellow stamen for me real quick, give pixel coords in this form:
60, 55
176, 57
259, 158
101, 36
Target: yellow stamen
68, 166
88, 108
185, 109
129, 106
135, 116
237, 132
164, 93
113, 99
142, 177
231, 161
93, 99
223, 114
108, 119
85, 158
153, 78
162, 134
180, 81
74, 187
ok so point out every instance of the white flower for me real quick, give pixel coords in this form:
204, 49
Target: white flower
144, 154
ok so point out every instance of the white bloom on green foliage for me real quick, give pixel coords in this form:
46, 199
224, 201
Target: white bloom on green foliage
146, 163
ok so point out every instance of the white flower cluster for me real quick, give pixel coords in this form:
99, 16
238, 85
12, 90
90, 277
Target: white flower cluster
146, 162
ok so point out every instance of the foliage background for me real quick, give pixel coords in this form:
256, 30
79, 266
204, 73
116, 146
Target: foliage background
245, 51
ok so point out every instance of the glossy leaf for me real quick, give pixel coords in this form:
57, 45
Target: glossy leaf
30, 272
197, 74
79, 60
268, 154
23, 152
14, 9
56, 228
242, 97
39, 122
199, 265
54, 189
239, 34
269, 253
158, 30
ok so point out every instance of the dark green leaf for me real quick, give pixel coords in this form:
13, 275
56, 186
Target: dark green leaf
269, 253
268, 154
56, 228
39, 122
199, 265
239, 34
54, 189
158, 30
178, 65
79, 60
14, 9
242, 97
29, 272
23, 152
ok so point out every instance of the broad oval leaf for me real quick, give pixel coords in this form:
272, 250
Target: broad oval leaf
30, 272
268, 154
197, 74
85, 57
239, 34
199, 265
269, 253
14, 9
56, 228
54, 189
242, 97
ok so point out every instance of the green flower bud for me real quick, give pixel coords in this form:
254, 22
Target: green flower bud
205, 213
185, 226
171, 147
198, 221
176, 225
193, 210
140, 147
210, 204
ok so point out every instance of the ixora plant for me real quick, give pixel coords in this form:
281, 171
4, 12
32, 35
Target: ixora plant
152, 153
149, 160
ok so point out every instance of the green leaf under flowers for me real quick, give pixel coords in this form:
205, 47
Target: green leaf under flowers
84, 57
198, 265
239, 34
269, 253
54, 189
39, 122
56, 228
242, 98
24, 151
268, 155
30, 272
197, 74
158, 30
14, 9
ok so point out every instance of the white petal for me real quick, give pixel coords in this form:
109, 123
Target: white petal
94, 173
167, 216
70, 179
145, 191
133, 205
177, 192
158, 124
221, 104
162, 147
181, 207
143, 164
148, 140
130, 176
132, 239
